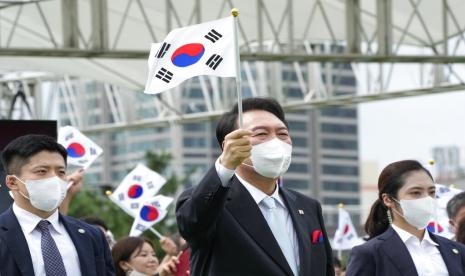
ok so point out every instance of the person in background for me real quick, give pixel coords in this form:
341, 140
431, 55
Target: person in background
456, 210
35, 239
399, 243
102, 225
338, 269
460, 233
135, 256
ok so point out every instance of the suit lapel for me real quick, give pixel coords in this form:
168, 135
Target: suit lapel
244, 209
83, 244
301, 230
396, 250
14, 238
451, 259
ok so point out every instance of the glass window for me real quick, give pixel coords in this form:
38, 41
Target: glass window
338, 128
195, 127
340, 170
340, 186
298, 167
294, 93
93, 119
299, 142
343, 157
195, 93
289, 75
339, 112
339, 144
297, 125
118, 149
194, 142
296, 183
343, 200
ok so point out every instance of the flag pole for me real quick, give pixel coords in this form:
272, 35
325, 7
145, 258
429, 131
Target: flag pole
156, 233
235, 14
339, 252
431, 163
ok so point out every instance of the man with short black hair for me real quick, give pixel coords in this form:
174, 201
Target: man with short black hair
238, 221
456, 209
35, 239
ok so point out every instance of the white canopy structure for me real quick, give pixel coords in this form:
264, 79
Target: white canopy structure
109, 41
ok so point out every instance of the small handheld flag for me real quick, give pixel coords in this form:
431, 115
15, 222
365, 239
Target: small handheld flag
151, 212
81, 150
203, 49
345, 237
140, 185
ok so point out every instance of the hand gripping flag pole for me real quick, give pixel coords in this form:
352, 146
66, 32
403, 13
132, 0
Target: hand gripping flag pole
235, 14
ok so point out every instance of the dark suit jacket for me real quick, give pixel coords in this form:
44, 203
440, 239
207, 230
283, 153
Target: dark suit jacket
228, 234
91, 246
387, 255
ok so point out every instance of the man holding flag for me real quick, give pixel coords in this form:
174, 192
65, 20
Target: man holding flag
238, 221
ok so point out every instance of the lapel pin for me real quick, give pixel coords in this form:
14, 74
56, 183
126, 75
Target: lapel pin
82, 231
455, 250
301, 211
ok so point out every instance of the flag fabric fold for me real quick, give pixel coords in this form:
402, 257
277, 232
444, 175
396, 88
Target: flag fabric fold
203, 49
140, 185
81, 150
346, 236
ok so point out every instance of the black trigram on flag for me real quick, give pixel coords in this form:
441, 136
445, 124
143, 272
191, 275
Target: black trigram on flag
213, 36
214, 61
164, 75
69, 136
162, 51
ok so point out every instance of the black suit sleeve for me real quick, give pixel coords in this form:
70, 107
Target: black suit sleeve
329, 251
198, 209
361, 262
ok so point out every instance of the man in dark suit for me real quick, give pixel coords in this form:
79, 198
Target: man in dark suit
238, 221
35, 239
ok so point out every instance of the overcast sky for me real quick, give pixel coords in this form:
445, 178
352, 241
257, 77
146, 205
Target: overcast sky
410, 127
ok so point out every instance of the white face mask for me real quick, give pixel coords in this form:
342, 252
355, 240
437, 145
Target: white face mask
418, 212
45, 194
272, 158
136, 273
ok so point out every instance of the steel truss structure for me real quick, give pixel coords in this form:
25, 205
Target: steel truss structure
111, 38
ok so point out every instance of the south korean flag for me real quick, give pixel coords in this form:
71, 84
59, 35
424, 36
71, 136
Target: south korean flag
203, 49
140, 185
81, 150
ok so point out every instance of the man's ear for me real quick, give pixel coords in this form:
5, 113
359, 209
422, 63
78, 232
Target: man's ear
11, 182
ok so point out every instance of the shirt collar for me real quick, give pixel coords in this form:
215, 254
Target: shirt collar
28, 221
405, 236
259, 195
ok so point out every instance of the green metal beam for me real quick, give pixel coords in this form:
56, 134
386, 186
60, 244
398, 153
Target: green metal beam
117, 54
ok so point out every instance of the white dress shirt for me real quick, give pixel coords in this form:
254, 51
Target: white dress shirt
28, 222
425, 254
226, 174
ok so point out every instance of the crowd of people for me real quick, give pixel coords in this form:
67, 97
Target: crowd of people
236, 221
